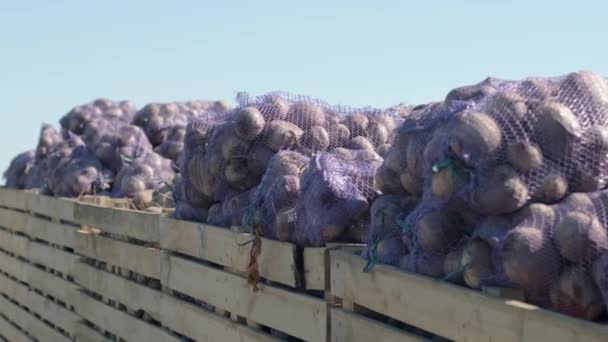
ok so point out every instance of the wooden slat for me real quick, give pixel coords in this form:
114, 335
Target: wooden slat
118, 322
202, 325
122, 290
314, 268
57, 233
13, 220
451, 311
30, 323
84, 333
17, 244
11, 333
51, 257
139, 259
293, 313
12, 198
136, 224
44, 307
349, 327
53, 207
277, 261
46, 282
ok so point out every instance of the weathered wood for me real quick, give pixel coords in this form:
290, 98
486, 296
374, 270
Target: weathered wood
30, 323
136, 224
16, 244
13, 220
451, 311
53, 207
57, 233
314, 268
38, 304
12, 198
131, 294
139, 259
118, 322
277, 261
51, 257
84, 333
296, 314
349, 327
11, 333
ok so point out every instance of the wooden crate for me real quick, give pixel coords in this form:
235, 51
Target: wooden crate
443, 309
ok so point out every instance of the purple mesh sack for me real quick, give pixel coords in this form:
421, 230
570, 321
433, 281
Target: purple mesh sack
18, 170
147, 172
77, 119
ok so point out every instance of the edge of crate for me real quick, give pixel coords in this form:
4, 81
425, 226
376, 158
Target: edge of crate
448, 310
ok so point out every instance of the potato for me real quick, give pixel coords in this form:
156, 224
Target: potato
476, 137
395, 160
282, 135
383, 149
199, 175
437, 232
357, 124
529, 259
576, 294
580, 237
510, 105
588, 178
524, 156
238, 176
274, 108
536, 88
377, 134
360, 143
412, 184
306, 115
339, 135
316, 139
388, 181
285, 223
536, 214
586, 86
414, 155
556, 128
233, 146
452, 267
132, 185
446, 182
578, 202
258, 159
388, 121
477, 262
552, 190
470, 93
248, 123
500, 191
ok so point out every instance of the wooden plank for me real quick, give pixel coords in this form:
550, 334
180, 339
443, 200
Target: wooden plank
84, 333
293, 313
13, 220
28, 322
16, 244
118, 322
202, 325
57, 233
136, 224
11, 333
349, 327
53, 207
12, 198
139, 259
122, 290
44, 307
230, 249
51, 257
46, 282
314, 268
451, 311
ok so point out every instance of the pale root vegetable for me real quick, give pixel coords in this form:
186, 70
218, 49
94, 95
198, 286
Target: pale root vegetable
529, 259
383, 150
248, 123
500, 191
389, 122
452, 266
285, 224
357, 124
476, 262
258, 159
412, 184
377, 134
274, 108
524, 156
553, 188
437, 232
576, 294
580, 237
475, 137
360, 143
447, 181
282, 135
238, 176
578, 202
598, 135
388, 181
339, 135
306, 115
536, 88
288, 163
199, 175
509, 105
414, 155
395, 160
470, 93
143, 199
536, 214
589, 178
315, 139
586, 86
233, 146
557, 129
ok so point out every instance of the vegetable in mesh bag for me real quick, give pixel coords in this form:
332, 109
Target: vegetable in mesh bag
76, 174
78, 118
48, 139
18, 170
147, 172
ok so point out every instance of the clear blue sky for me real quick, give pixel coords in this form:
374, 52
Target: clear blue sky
56, 54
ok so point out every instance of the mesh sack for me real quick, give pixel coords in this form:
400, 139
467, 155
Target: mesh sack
77, 119
18, 170
173, 146
48, 139
75, 174
335, 192
149, 171
183, 209
230, 211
